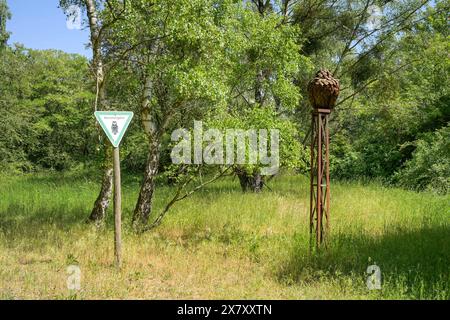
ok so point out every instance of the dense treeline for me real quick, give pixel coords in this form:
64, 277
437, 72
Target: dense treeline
398, 128
46, 109
237, 65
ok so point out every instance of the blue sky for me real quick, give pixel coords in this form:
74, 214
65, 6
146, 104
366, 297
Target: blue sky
40, 24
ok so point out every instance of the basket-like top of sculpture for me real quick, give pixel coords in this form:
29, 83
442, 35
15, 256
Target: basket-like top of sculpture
323, 90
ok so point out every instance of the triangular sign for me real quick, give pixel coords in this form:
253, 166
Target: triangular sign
114, 123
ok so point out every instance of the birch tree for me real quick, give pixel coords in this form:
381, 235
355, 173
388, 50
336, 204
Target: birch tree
99, 23
175, 50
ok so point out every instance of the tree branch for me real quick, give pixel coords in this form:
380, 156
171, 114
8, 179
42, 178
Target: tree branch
177, 197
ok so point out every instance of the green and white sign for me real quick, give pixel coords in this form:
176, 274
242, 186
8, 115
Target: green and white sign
114, 123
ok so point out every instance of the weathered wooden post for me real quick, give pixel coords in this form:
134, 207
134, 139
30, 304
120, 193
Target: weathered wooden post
323, 92
117, 210
115, 123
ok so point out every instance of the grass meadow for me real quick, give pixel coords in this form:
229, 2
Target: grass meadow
223, 244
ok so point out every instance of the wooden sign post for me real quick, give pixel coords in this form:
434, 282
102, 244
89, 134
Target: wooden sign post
115, 123
117, 210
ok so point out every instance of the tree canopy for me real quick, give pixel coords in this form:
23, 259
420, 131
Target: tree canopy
237, 65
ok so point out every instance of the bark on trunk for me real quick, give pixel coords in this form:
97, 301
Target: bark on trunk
101, 204
259, 91
254, 182
144, 204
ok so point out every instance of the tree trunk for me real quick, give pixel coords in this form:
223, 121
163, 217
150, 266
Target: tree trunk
101, 204
259, 91
144, 204
254, 182
250, 182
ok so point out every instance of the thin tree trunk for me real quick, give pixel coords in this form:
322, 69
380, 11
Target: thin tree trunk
101, 204
259, 90
144, 204
254, 182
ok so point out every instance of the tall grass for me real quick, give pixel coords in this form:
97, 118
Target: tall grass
221, 243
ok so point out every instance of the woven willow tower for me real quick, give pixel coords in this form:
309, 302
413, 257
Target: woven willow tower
323, 92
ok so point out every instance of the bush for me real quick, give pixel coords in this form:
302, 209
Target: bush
429, 169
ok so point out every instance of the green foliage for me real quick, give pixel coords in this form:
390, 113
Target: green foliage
263, 54
429, 168
5, 14
290, 153
241, 65
178, 45
235, 65
134, 150
262, 60
47, 120
386, 127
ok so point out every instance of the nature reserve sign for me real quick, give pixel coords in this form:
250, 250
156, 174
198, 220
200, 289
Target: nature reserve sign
114, 123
